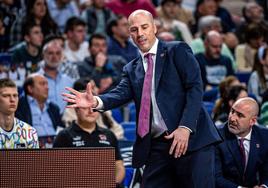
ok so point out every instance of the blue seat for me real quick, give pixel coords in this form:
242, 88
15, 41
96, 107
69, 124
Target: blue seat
128, 124
209, 106
117, 115
128, 177
132, 111
130, 134
243, 76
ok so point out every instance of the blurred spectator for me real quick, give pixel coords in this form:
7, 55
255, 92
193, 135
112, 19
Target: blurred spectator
97, 17
76, 48
126, 7
252, 13
177, 11
36, 13
244, 53
85, 132
264, 5
14, 132
61, 11
104, 69
105, 120
9, 11
167, 14
66, 67
206, 24
29, 53
203, 8
3, 71
226, 18
214, 66
57, 81
119, 42
166, 36
233, 93
258, 83
4, 35
35, 108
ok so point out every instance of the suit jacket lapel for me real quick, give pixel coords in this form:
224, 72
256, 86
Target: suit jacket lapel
233, 147
140, 73
160, 61
253, 152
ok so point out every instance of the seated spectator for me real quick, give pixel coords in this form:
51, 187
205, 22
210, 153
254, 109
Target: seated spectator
76, 48
35, 109
61, 11
167, 14
97, 17
252, 14
14, 132
85, 132
214, 66
119, 42
66, 67
36, 13
57, 80
206, 24
257, 83
223, 89
203, 8
245, 53
104, 69
30, 53
242, 157
228, 24
126, 7
105, 120
4, 35
234, 93
180, 13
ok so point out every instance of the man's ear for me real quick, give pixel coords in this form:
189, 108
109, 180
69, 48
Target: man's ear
27, 38
253, 121
30, 89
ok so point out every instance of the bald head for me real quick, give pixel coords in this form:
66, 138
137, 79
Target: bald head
138, 12
213, 35
250, 104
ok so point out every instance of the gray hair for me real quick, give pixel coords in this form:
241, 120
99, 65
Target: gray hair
207, 21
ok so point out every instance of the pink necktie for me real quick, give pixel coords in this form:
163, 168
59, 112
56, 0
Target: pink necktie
242, 151
144, 115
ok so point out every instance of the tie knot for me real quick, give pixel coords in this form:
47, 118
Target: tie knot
241, 140
148, 56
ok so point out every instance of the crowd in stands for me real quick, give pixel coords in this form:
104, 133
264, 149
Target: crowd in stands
47, 45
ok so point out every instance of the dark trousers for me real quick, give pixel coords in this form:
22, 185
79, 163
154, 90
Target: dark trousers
193, 170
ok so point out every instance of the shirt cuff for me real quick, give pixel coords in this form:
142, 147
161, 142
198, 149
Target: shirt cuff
100, 104
186, 128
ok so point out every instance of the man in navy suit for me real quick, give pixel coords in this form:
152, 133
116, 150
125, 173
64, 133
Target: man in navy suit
178, 147
242, 158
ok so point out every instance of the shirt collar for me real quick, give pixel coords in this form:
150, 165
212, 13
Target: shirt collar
153, 50
247, 137
33, 100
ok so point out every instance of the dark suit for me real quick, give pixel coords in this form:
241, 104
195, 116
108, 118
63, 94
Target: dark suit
178, 87
24, 113
229, 168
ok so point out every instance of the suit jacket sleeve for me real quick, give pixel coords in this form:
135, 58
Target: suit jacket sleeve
189, 71
119, 95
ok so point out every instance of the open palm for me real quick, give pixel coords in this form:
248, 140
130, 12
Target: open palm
80, 99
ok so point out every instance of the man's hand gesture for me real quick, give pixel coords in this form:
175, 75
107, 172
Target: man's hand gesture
80, 99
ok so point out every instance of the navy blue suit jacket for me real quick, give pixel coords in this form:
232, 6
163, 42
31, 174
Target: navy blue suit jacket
229, 169
178, 87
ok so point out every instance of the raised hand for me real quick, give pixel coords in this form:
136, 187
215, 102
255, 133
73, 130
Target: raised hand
80, 99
